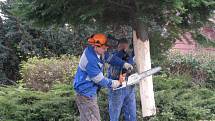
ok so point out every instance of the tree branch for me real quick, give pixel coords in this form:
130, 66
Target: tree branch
118, 4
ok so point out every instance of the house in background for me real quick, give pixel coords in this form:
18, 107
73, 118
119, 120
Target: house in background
186, 44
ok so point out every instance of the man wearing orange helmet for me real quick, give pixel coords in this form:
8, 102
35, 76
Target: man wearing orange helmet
89, 77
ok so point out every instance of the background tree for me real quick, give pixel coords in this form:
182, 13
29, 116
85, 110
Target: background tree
168, 17
20, 40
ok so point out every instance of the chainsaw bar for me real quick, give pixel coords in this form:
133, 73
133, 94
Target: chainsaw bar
136, 78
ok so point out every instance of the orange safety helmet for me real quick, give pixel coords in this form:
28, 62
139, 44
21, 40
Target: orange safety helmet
98, 39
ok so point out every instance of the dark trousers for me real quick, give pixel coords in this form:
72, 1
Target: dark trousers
88, 108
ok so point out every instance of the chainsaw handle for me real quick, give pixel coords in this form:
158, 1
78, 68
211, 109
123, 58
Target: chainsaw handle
129, 70
122, 77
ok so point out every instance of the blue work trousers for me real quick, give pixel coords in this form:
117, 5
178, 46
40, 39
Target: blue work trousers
122, 99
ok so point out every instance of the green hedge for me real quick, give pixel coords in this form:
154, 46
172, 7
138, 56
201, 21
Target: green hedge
177, 101
19, 104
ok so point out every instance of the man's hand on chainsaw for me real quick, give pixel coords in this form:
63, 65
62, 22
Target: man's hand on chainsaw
117, 83
122, 78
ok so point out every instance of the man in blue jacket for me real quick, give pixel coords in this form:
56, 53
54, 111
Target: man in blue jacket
122, 99
89, 77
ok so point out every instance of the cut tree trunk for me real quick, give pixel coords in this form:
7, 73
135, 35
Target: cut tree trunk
143, 61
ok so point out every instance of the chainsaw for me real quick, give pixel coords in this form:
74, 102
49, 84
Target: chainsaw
136, 78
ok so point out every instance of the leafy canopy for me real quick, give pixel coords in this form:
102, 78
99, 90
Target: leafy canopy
181, 13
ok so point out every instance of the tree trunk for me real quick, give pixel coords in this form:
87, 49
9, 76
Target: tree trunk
143, 61
1, 23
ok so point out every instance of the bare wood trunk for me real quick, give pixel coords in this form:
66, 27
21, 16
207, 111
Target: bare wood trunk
143, 61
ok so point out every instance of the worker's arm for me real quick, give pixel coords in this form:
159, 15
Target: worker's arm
96, 75
113, 60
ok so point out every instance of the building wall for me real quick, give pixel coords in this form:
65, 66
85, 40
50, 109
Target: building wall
186, 43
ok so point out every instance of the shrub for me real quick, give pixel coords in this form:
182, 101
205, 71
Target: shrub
41, 73
175, 102
18, 104
164, 82
199, 65
185, 104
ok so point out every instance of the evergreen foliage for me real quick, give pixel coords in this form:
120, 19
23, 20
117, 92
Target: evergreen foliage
167, 18
20, 104
19, 40
161, 12
177, 102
